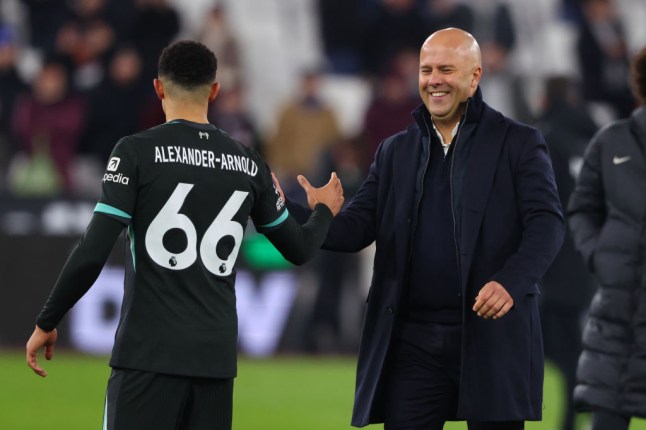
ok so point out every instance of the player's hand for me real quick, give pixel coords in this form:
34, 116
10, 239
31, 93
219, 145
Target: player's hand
493, 301
39, 339
331, 194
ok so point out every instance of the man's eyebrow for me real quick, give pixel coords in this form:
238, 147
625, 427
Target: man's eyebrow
439, 66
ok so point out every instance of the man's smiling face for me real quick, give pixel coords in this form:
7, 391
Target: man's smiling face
449, 74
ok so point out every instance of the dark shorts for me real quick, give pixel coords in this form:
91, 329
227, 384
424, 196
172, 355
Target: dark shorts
138, 400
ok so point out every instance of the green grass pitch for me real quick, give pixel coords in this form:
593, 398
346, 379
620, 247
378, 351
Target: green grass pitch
286, 393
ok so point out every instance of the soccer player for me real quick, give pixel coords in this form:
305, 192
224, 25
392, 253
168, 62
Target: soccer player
185, 191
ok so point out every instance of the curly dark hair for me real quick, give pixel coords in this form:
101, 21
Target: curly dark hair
638, 73
188, 64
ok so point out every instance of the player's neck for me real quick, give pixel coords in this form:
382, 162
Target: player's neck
188, 112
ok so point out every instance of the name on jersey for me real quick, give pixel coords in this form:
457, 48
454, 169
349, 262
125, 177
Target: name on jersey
205, 158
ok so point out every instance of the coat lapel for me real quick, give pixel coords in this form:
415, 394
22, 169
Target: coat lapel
472, 197
407, 158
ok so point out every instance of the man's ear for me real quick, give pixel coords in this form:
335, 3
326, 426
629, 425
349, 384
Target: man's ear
159, 88
477, 75
215, 89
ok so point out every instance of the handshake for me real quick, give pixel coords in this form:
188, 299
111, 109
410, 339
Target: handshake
330, 194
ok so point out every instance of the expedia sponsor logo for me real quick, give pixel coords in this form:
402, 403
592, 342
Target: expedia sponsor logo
113, 164
118, 178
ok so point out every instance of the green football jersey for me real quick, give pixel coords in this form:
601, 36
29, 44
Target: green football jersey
185, 192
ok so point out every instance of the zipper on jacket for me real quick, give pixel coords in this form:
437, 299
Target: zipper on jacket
455, 233
419, 200
415, 214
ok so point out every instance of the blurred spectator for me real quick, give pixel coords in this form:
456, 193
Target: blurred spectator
336, 270
218, 36
45, 18
307, 126
11, 86
441, 14
607, 215
397, 26
341, 29
152, 113
406, 64
85, 41
115, 106
389, 112
571, 10
567, 286
495, 31
229, 114
121, 15
49, 124
155, 25
603, 57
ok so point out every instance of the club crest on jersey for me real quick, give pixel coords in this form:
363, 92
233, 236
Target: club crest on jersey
113, 164
204, 134
279, 200
280, 203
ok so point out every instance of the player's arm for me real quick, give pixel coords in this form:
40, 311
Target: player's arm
77, 276
296, 242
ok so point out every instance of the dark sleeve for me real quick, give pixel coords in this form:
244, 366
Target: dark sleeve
81, 269
587, 205
297, 243
298, 211
543, 226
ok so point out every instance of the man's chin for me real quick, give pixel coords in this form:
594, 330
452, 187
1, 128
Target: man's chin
438, 114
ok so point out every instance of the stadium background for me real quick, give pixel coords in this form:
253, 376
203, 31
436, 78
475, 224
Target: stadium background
297, 345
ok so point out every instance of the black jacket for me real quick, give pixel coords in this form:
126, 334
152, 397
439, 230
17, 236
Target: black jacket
607, 214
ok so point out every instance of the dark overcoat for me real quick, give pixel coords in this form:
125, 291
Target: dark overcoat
508, 228
607, 213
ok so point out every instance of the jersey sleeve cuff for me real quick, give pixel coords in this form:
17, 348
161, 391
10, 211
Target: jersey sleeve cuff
278, 221
113, 212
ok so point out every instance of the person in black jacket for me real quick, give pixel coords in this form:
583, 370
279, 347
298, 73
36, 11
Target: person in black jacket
465, 216
607, 214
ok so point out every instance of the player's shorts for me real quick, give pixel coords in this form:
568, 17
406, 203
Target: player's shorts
137, 400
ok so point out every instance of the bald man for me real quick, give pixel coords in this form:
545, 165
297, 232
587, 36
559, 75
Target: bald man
464, 211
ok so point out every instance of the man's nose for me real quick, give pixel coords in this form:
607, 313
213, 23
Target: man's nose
434, 78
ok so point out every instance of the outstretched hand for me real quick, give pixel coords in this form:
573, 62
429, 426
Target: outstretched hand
331, 194
38, 340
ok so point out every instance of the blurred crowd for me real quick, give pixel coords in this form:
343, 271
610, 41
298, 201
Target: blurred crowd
75, 76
